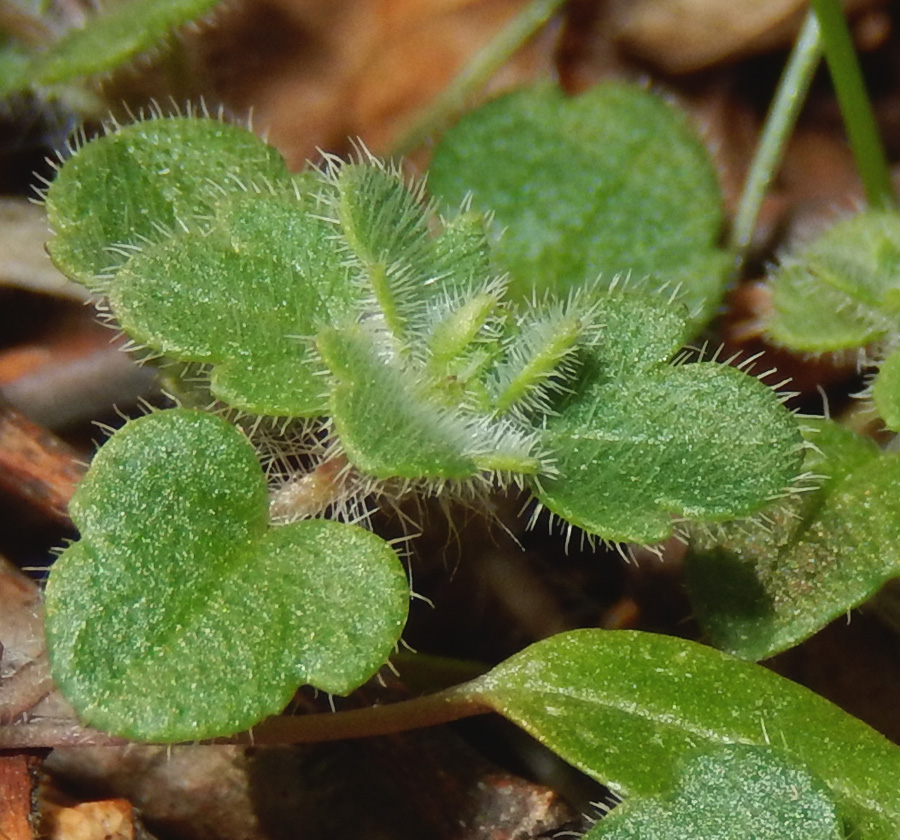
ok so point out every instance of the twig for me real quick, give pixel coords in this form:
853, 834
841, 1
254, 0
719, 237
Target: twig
36, 465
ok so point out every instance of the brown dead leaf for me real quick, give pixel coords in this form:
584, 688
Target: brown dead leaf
317, 73
23, 259
682, 36
102, 819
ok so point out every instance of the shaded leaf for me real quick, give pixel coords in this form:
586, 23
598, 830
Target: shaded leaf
761, 588
886, 391
113, 37
180, 614
612, 181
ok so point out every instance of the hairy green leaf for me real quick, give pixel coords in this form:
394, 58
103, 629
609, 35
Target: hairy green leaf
643, 441
180, 614
386, 425
612, 181
392, 425
113, 37
141, 182
224, 259
727, 792
842, 291
760, 588
624, 706
386, 231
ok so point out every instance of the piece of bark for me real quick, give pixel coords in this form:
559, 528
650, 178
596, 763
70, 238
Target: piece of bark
17, 784
36, 466
24, 262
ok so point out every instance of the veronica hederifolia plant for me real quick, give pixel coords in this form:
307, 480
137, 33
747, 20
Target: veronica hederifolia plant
343, 296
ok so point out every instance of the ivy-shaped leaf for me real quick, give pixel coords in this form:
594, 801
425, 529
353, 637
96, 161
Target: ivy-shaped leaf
761, 588
643, 441
625, 706
221, 256
113, 37
611, 181
140, 183
181, 614
729, 792
842, 291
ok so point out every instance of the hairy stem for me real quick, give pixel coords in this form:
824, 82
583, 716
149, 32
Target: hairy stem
856, 109
790, 95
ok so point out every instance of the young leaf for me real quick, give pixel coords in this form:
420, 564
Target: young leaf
386, 232
843, 290
113, 37
386, 425
730, 791
760, 589
391, 425
591, 185
642, 440
180, 614
625, 706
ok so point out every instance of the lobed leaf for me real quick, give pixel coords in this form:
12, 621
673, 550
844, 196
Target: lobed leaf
842, 291
180, 614
612, 181
760, 589
223, 261
624, 706
726, 792
643, 441
139, 183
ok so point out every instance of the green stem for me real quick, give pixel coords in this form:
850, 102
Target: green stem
477, 72
790, 95
421, 712
856, 109
418, 713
